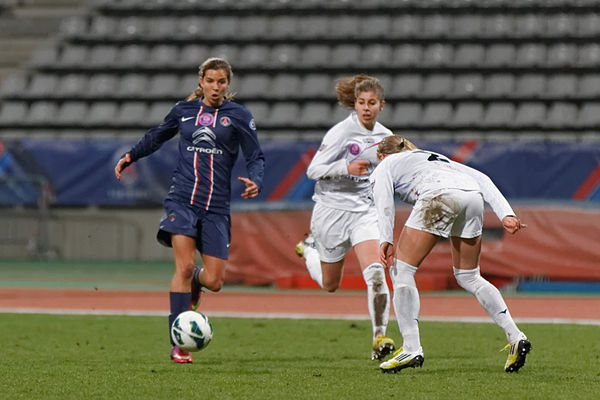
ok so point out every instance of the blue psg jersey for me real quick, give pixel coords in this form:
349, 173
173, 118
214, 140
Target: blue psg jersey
209, 142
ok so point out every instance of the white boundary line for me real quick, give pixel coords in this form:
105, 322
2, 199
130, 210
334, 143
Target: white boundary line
352, 317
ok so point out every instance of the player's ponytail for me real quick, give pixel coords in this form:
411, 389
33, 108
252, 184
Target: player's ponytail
394, 144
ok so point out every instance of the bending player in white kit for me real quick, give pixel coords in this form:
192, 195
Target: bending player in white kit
448, 201
343, 216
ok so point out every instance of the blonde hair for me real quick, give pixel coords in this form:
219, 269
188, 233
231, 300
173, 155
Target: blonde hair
347, 89
212, 63
394, 144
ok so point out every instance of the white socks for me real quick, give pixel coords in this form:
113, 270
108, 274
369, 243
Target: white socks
490, 299
406, 304
378, 297
313, 264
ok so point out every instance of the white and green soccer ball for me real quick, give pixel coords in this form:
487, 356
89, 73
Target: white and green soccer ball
191, 331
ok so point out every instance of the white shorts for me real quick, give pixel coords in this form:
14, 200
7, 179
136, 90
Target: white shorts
448, 212
337, 231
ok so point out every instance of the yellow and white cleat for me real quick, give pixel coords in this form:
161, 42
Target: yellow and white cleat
309, 240
517, 352
403, 359
382, 346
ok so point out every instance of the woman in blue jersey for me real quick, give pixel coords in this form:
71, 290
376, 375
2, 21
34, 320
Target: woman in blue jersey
344, 217
211, 129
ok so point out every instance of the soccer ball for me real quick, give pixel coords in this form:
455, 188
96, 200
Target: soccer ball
191, 331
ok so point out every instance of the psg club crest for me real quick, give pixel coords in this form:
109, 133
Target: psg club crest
225, 121
354, 149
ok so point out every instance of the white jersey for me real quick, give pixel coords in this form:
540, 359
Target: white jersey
412, 174
345, 142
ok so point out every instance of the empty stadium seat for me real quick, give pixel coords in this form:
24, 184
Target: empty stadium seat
162, 56
529, 25
468, 85
284, 84
345, 55
588, 24
530, 85
469, 55
42, 85
317, 86
437, 55
253, 27
561, 115
316, 113
499, 85
406, 115
561, 55
283, 55
72, 113
131, 112
530, 115
437, 85
467, 115
192, 55
157, 112
405, 85
344, 26
589, 85
497, 25
588, 55
500, 55
285, 114
253, 55
260, 112
376, 55
407, 55
313, 27
531, 55
14, 85
13, 113
132, 85
589, 116
133, 55
375, 26
561, 85
315, 55
406, 25
467, 26
72, 85
163, 86
255, 85
498, 115
101, 113
73, 56
223, 27
225, 51
560, 25
436, 114
102, 85
436, 25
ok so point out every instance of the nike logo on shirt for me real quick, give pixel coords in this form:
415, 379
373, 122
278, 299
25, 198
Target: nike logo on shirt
183, 119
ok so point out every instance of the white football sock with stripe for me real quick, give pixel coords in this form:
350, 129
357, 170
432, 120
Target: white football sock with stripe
490, 299
407, 304
313, 264
378, 297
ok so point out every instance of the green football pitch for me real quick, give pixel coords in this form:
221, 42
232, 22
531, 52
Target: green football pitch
125, 357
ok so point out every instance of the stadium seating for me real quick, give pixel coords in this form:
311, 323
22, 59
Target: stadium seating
454, 67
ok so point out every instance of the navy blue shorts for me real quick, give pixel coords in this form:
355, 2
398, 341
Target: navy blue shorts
211, 231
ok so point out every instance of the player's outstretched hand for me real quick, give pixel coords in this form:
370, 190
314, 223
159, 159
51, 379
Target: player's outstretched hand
358, 167
121, 165
512, 224
251, 190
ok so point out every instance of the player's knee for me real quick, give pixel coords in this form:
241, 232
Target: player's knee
374, 276
212, 282
469, 279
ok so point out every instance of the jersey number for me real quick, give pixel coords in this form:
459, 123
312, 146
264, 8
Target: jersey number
435, 157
